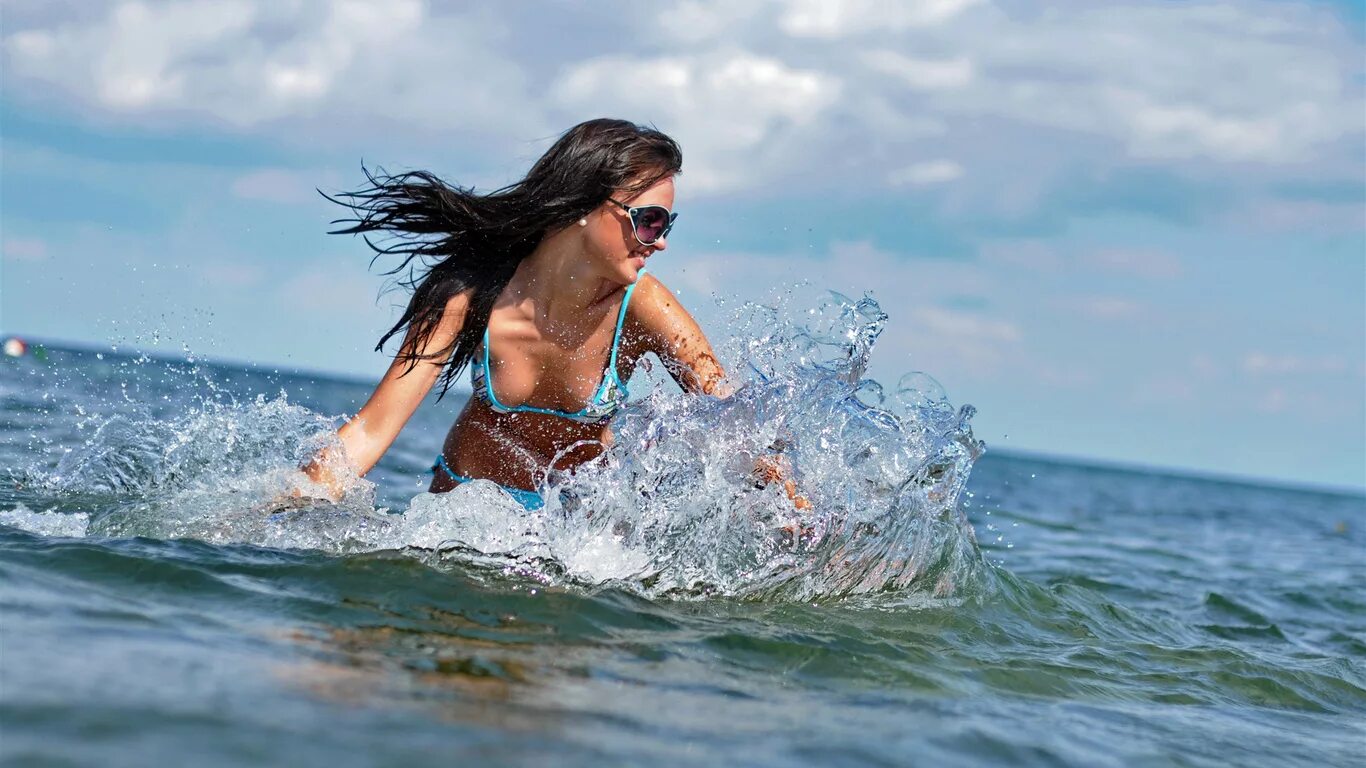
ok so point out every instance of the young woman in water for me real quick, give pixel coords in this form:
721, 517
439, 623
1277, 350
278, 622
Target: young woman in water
541, 289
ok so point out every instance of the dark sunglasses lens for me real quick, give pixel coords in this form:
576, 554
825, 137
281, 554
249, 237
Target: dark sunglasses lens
651, 223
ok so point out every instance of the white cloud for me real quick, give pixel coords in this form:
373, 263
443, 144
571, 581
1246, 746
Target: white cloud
1187, 130
922, 74
247, 63
1250, 81
819, 20
765, 96
1235, 82
734, 112
933, 338
924, 174
825, 19
965, 325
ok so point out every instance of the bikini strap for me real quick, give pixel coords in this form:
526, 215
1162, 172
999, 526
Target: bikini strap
488, 378
611, 363
621, 320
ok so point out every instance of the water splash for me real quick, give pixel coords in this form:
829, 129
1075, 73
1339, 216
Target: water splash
46, 522
670, 509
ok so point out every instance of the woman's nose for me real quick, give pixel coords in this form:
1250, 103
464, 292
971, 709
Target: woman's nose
661, 243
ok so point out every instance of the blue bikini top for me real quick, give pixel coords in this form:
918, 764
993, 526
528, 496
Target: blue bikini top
606, 401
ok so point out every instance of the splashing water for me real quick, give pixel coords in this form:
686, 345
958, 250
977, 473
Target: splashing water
670, 509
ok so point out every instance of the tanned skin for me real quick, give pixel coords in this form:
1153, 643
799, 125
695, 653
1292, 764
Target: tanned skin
550, 337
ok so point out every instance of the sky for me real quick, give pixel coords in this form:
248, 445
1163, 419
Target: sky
1127, 231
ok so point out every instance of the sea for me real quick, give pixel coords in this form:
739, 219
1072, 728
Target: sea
162, 601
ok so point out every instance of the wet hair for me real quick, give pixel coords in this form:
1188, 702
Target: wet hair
450, 239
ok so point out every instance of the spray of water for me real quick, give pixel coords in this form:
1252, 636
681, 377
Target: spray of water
672, 508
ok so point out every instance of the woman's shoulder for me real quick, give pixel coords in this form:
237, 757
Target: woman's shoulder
649, 292
655, 308
663, 326
651, 299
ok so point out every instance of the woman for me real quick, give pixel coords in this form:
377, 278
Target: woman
541, 288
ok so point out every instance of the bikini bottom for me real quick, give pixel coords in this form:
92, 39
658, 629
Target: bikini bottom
531, 500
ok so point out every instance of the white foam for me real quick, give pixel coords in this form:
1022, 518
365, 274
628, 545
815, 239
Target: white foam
71, 525
670, 508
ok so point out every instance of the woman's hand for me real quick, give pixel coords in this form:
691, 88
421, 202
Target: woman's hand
314, 483
773, 469
799, 501
326, 478
363, 439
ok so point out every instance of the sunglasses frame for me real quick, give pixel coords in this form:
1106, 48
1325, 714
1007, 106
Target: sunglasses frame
634, 212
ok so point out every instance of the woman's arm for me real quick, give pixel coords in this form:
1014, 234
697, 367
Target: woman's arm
366, 437
672, 334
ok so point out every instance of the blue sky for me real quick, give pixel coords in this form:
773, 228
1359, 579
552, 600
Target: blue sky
1126, 231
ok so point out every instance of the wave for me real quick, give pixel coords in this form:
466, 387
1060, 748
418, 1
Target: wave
670, 509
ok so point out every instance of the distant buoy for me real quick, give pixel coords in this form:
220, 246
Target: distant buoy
15, 347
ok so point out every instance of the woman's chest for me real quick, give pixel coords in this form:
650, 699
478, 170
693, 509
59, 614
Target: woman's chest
527, 370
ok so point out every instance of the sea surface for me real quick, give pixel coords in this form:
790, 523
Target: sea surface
941, 606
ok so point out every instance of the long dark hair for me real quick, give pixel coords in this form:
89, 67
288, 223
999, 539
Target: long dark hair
449, 239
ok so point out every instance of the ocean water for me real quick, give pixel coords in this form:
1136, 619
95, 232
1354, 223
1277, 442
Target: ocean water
941, 605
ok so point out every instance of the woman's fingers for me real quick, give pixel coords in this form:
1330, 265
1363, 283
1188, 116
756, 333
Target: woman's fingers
767, 469
799, 501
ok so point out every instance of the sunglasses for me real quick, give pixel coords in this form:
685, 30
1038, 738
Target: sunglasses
650, 222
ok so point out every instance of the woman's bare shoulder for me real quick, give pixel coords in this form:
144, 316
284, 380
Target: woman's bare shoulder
669, 330
651, 300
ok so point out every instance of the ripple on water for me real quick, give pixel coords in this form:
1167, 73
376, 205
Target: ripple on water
661, 610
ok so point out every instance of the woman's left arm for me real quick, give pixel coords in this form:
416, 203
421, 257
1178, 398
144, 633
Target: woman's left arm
671, 333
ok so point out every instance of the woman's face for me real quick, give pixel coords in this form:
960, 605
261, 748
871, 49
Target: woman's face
611, 240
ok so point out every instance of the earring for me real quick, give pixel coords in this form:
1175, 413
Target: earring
583, 222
